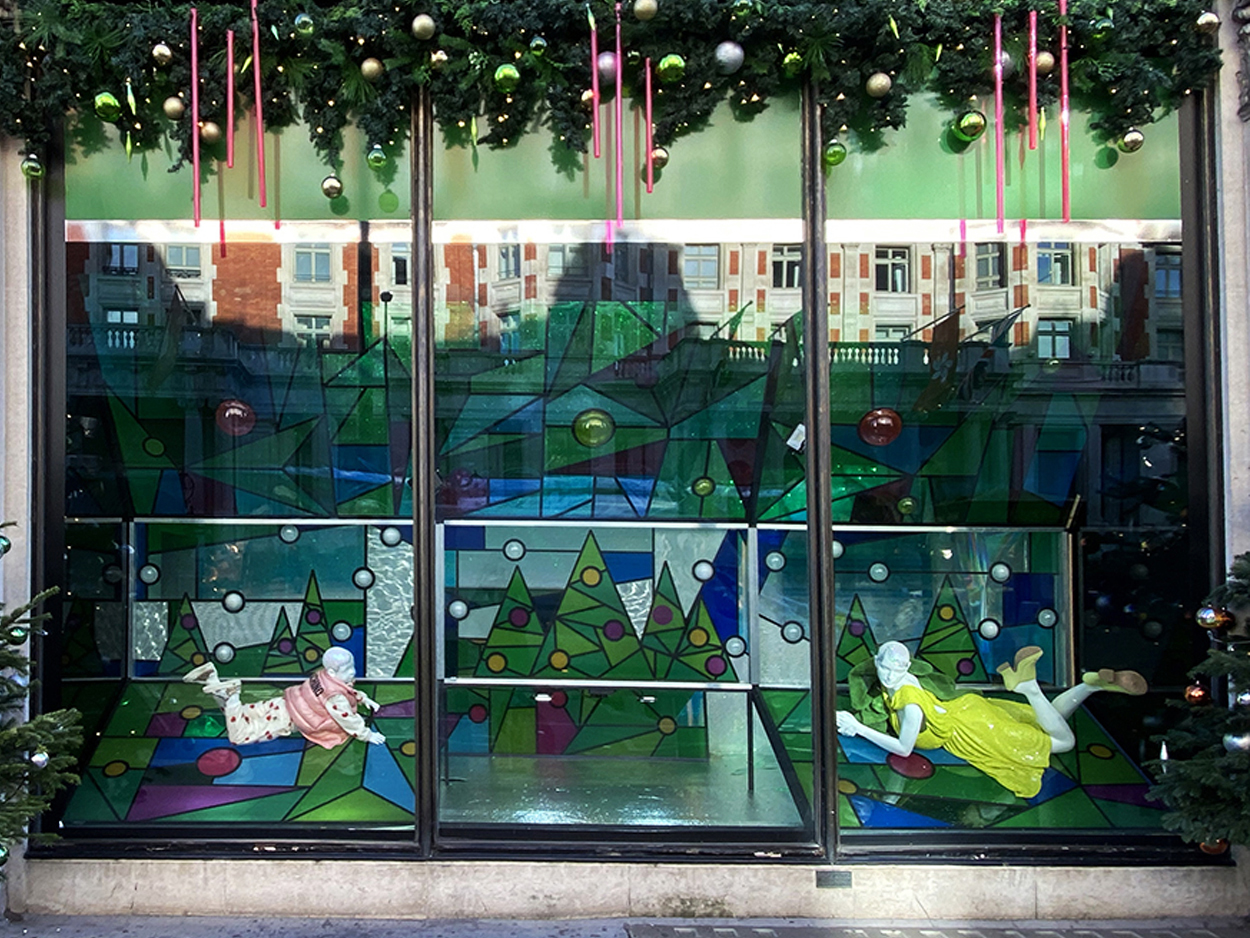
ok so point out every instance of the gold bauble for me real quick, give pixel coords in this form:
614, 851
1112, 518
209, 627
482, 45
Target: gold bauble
162, 55
371, 69
423, 26
659, 157
332, 187
1208, 22
174, 107
438, 58
645, 9
210, 133
1045, 63
878, 85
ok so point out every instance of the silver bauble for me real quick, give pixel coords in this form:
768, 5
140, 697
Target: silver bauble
332, 187
39, 760
729, 57
1208, 22
1235, 743
1132, 141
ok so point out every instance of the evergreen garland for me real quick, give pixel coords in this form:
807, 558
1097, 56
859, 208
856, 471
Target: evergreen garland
1205, 778
1131, 61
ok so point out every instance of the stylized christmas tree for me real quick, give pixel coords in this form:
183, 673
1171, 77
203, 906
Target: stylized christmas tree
1205, 760
515, 636
299, 651
700, 655
665, 626
947, 640
186, 648
856, 643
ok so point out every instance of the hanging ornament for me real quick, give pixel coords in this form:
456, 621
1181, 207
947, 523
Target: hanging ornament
1208, 22
1214, 847
659, 157
729, 57
671, 68
39, 760
18, 634
606, 64
174, 107
210, 132
969, 125
162, 55
304, 25
507, 77
742, 8
538, 46
1197, 695
332, 187
1008, 64
376, 157
645, 9
423, 26
107, 107
235, 417
438, 58
4, 856
878, 85
1101, 28
834, 154
1045, 63
1132, 141
5, 544
588, 99
1209, 617
1243, 698
880, 427
792, 64
32, 168
371, 69
1234, 742
907, 505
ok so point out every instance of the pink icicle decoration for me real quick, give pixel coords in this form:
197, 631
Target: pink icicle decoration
1065, 116
229, 101
195, 114
594, 80
650, 142
260, 112
1000, 168
1032, 79
620, 128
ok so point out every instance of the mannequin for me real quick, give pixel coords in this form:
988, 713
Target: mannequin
323, 709
1011, 742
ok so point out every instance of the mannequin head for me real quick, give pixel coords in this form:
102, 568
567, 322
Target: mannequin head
340, 663
893, 662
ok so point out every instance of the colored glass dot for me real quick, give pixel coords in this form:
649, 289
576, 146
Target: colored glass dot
191, 712
458, 609
879, 573
591, 576
775, 560
1047, 618
614, 630
149, 573
989, 629
559, 660
286, 646
408, 748
847, 787
856, 628
703, 571
514, 550
288, 534
153, 447
116, 768
667, 726
1000, 572
703, 486
559, 699
341, 631
224, 652
187, 621
946, 613
496, 662
663, 615
310, 654
792, 632
313, 616
519, 617
907, 505
391, 537
966, 666
218, 762
735, 646
698, 637
477, 713
716, 666
198, 659
1099, 751
593, 427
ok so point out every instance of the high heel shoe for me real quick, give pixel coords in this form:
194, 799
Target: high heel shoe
1024, 668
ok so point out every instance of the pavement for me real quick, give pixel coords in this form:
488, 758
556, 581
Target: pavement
113, 926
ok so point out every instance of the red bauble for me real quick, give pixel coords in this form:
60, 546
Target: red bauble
1214, 618
880, 427
1197, 695
235, 417
1215, 848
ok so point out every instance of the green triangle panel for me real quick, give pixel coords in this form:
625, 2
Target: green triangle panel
357, 807
524, 376
963, 450
375, 503
570, 331
1100, 760
266, 808
947, 641
350, 370
846, 814
186, 647
1133, 816
993, 493
1071, 810
271, 452
791, 502
369, 421
518, 732
119, 792
345, 773
131, 436
618, 334
735, 416
615, 740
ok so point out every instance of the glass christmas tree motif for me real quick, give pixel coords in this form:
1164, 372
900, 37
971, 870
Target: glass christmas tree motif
665, 626
299, 651
516, 636
856, 642
947, 640
186, 648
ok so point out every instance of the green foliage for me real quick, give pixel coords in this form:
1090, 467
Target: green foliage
26, 788
61, 53
867, 696
1204, 783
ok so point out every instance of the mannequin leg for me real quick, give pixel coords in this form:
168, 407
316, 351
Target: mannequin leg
1054, 723
1067, 702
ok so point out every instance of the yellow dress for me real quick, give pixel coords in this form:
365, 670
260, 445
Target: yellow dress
999, 737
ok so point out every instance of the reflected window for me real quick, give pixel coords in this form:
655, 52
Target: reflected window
509, 261
568, 260
891, 333
701, 267
1170, 345
893, 267
990, 267
121, 259
312, 331
312, 263
1167, 274
182, 260
399, 265
787, 266
1056, 264
1054, 338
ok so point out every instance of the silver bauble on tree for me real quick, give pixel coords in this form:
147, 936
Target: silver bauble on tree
332, 187
729, 57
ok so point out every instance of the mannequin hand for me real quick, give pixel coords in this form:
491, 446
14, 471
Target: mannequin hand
848, 724
376, 738
372, 704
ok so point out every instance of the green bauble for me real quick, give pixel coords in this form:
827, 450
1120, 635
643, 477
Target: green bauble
376, 157
507, 77
835, 154
5, 545
538, 46
304, 25
19, 634
969, 125
107, 107
792, 64
593, 428
703, 486
907, 505
1101, 28
32, 168
671, 68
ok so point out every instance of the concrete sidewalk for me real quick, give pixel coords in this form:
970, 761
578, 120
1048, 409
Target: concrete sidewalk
68, 926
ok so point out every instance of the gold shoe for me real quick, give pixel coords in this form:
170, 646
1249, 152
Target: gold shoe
1024, 668
1119, 682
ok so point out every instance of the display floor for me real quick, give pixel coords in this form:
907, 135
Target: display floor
161, 759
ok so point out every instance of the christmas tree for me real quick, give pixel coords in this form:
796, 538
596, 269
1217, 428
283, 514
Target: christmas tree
1203, 773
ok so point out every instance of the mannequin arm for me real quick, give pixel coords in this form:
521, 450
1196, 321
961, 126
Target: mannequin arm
910, 722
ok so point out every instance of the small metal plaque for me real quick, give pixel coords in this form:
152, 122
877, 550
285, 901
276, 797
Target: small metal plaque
833, 879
